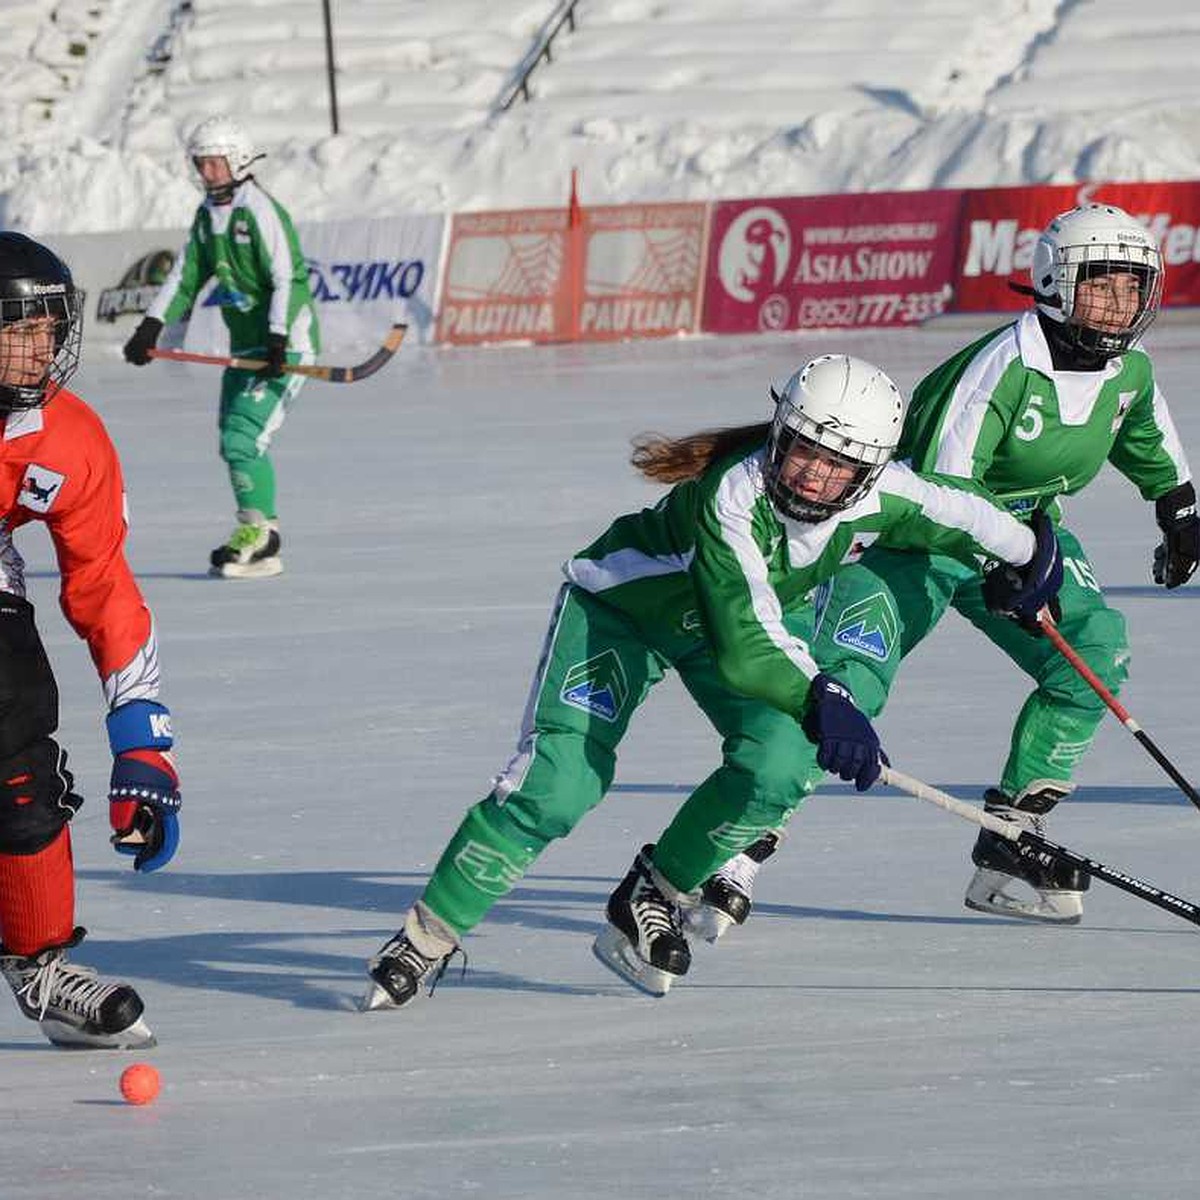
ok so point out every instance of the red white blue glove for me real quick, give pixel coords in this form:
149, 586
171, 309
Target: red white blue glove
143, 792
846, 741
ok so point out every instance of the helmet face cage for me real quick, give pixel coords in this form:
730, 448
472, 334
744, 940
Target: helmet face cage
28, 378
1079, 263
791, 427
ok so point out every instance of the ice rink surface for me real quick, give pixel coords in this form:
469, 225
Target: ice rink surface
863, 1036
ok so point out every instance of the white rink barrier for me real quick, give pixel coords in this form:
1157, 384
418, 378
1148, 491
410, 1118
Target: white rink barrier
366, 276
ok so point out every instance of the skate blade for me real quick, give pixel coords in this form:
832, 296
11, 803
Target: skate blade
137, 1036
263, 569
378, 998
986, 894
706, 922
612, 948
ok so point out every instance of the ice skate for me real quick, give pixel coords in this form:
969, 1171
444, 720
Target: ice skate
644, 941
725, 897
419, 952
252, 551
73, 1005
1009, 885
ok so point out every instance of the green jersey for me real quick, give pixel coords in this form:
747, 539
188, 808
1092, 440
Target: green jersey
251, 248
713, 561
999, 413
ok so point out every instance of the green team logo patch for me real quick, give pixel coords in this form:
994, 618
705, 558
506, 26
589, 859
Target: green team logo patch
733, 836
870, 627
487, 869
598, 686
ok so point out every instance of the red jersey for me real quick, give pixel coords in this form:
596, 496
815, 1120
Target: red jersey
59, 466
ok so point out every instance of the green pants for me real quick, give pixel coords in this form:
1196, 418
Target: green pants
875, 612
252, 410
594, 671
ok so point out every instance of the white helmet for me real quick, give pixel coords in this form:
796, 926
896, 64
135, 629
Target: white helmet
1085, 243
223, 137
848, 408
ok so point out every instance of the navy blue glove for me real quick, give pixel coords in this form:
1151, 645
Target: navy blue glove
1022, 592
276, 356
1175, 558
847, 744
143, 791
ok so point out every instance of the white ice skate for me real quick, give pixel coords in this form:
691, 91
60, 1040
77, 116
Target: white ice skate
1010, 885
73, 1005
252, 551
644, 941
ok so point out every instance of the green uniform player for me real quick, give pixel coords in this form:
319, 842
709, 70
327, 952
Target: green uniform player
243, 239
1032, 412
712, 582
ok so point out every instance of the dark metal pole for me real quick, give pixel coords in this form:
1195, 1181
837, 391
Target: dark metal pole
330, 70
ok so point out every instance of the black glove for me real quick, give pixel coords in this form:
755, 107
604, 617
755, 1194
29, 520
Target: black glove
1022, 592
847, 744
276, 356
137, 349
1176, 556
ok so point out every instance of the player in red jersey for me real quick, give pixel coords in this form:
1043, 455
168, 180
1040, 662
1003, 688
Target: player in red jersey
58, 466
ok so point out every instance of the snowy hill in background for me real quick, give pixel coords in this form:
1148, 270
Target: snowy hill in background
651, 99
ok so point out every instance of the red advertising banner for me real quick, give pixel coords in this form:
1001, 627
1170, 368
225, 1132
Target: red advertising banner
582, 274
643, 274
1001, 226
822, 261
507, 278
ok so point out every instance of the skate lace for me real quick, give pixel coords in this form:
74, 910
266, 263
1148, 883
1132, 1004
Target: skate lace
653, 911
246, 536
1032, 822
402, 951
63, 985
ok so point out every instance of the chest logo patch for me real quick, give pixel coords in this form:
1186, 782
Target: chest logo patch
1124, 400
40, 488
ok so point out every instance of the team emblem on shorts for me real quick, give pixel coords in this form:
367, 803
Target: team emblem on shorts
40, 488
869, 627
597, 685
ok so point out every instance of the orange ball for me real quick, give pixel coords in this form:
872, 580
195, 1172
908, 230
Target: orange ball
140, 1083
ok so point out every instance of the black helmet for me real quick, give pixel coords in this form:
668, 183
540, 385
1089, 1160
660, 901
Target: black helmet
35, 283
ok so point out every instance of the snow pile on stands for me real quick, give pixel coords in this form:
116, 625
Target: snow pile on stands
651, 100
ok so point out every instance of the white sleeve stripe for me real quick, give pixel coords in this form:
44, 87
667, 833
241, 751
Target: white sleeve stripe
623, 566
279, 254
968, 405
170, 286
1172, 446
734, 503
999, 534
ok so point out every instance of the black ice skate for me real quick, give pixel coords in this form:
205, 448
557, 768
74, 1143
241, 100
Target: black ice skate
725, 898
252, 551
73, 1005
419, 952
644, 941
1012, 886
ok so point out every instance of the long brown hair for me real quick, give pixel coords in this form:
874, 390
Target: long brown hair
672, 460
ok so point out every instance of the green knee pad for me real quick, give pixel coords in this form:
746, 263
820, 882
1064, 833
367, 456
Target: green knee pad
718, 821
484, 860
